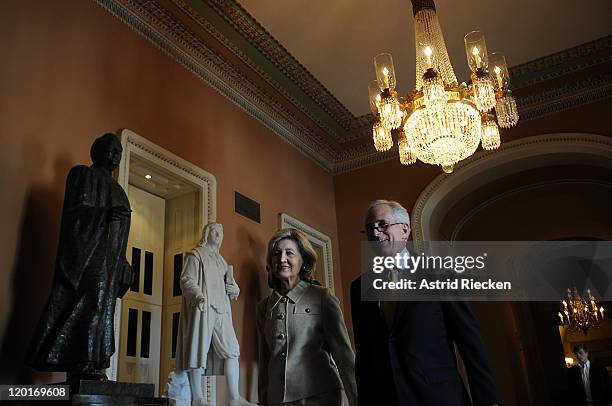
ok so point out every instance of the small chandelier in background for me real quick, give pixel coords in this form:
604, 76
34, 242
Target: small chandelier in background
441, 122
579, 314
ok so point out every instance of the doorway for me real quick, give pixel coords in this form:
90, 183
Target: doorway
538, 188
171, 200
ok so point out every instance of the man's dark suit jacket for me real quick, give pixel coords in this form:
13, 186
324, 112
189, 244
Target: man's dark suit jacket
601, 387
413, 363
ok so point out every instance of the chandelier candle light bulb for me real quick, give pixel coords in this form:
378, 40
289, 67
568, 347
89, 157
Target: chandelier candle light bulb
385, 72
497, 70
498, 60
476, 50
476, 53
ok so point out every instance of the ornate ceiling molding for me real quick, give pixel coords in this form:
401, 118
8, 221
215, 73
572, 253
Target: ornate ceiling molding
566, 96
291, 102
562, 63
257, 35
156, 24
235, 10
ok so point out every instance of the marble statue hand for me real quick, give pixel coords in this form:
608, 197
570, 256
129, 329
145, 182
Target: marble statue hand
232, 290
201, 301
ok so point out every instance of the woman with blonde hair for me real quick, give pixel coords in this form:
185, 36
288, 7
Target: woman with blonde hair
304, 352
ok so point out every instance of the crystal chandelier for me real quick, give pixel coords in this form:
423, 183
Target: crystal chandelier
441, 122
579, 314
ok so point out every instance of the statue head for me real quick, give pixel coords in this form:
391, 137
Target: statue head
106, 151
212, 236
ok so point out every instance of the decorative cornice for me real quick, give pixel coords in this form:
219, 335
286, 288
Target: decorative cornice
331, 136
567, 96
257, 35
166, 32
562, 63
238, 52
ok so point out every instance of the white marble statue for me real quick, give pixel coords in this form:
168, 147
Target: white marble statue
207, 343
177, 389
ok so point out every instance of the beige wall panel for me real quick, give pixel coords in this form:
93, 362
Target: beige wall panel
181, 237
147, 234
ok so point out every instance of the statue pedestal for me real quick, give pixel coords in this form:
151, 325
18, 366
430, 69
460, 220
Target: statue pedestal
84, 392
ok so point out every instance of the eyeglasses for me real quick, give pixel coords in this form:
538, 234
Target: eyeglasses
380, 227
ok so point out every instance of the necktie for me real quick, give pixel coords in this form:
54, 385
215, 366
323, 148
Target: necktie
585, 381
389, 306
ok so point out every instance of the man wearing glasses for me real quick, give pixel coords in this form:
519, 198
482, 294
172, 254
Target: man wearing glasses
405, 350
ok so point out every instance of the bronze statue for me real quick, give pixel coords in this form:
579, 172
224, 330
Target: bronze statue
75, 333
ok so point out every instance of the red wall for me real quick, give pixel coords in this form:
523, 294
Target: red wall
70, 71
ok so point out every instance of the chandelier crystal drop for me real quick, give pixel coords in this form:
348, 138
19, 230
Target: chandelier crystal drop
406, 154
382, 136
484, 93
506, 111
391, 113
444, 137
579, 314
440, 121
490, 134
434, 95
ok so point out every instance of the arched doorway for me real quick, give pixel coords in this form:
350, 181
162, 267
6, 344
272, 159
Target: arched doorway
545, 187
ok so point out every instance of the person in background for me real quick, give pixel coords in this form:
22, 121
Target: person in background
304, 351
589, 383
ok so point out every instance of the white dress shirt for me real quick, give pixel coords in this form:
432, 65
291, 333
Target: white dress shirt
584, 372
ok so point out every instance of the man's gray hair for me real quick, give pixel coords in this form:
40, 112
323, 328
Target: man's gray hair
399, 212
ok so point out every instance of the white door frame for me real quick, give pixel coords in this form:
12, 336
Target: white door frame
133, 143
